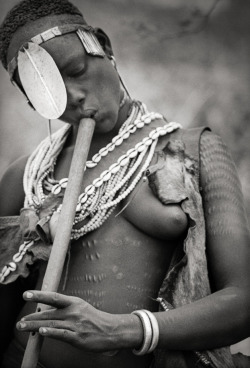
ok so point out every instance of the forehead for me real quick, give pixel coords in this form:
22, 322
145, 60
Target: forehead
31, 29
65, 49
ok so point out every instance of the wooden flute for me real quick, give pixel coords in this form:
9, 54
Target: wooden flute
62, 237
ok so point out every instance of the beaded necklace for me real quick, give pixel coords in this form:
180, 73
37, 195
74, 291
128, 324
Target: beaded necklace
100, 198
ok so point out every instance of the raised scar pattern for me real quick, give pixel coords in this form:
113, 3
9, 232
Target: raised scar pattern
88, 278
140, 290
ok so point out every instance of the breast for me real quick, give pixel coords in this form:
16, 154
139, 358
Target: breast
145, 211
118, 259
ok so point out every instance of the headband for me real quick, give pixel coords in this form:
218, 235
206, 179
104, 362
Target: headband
39, 74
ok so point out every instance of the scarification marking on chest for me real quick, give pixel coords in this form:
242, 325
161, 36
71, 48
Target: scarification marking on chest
140, 290
88, 277
89, 243
89, 292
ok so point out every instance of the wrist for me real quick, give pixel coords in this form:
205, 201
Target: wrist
127, 331
150, 332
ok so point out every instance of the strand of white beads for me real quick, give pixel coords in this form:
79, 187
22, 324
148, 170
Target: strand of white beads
101, 194
114, 168
123, 135
44, 159
100, 216
105, 209
134, 182
41, 160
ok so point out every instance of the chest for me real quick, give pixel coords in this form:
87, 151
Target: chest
140, 207
118, 268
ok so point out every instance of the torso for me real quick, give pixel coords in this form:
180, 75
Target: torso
117, 268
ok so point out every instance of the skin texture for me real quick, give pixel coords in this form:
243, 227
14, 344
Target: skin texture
217, 320
83, 332
231, 286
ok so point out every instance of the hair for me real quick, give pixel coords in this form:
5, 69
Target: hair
26, 11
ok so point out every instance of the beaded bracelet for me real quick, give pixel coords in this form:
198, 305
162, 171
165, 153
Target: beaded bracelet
150, 331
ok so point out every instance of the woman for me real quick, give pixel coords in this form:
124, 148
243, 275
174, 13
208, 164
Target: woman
138, 240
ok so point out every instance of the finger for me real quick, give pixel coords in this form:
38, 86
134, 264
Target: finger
48, 297
33, 326
49, 314
60, 334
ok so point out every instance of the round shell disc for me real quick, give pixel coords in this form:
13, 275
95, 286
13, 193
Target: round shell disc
42, 81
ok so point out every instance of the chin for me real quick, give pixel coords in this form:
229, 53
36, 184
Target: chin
106, 125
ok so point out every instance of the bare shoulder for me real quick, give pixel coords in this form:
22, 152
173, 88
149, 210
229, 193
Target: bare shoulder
11, 188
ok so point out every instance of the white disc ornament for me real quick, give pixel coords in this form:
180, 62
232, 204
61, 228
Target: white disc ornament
42, 81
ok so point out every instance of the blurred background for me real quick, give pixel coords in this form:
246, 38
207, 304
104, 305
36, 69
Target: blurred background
189, 60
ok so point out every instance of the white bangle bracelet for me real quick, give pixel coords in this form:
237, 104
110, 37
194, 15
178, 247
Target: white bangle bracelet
155, 329
147, 332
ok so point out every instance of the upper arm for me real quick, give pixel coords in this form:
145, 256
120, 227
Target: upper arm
227, 233
11, 188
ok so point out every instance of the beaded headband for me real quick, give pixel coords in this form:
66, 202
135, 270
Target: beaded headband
39, 74
86, 34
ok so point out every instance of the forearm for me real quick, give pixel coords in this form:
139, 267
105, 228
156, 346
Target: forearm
220, 319
217, 320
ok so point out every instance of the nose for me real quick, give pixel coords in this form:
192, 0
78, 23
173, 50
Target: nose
75, 94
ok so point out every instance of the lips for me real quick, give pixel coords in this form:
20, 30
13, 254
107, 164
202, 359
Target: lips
89, 113
73, 115
77, 113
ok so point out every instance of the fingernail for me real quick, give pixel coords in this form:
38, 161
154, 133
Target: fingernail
29, 295
43, 330
22, 325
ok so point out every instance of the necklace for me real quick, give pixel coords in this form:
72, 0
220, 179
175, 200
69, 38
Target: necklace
101, 197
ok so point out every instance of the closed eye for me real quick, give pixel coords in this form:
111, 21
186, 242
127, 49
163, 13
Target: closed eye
76, 73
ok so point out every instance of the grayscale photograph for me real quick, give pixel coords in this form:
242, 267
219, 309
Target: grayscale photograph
124, 184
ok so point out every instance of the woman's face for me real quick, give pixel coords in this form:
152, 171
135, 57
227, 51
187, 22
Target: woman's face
91, 82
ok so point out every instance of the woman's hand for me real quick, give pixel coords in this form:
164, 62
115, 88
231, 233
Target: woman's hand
78, 323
